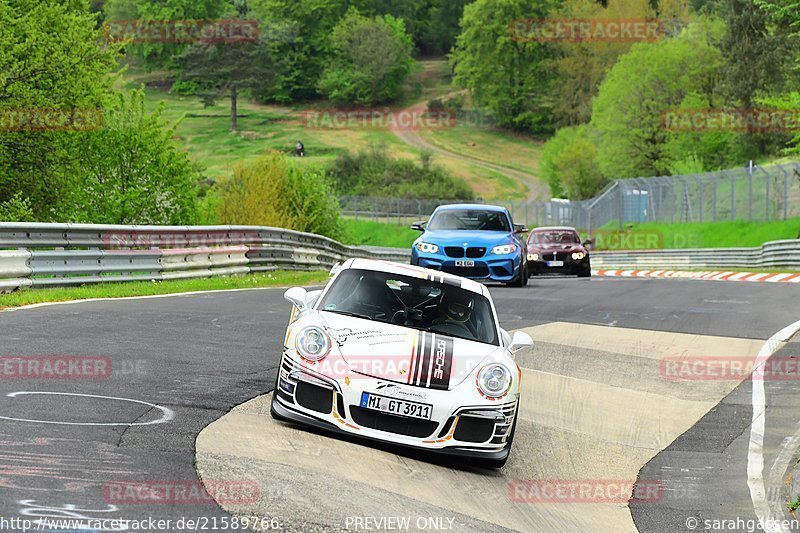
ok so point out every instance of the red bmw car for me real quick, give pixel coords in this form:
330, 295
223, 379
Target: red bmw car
557, 250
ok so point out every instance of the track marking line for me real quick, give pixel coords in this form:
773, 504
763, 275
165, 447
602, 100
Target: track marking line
166, 414
755, 454
784, 277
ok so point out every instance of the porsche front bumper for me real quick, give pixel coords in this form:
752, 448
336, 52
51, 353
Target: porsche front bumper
463, 422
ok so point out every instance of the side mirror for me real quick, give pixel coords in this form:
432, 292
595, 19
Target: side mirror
419, 226
520, 228
520, 340
587, 242
298, 296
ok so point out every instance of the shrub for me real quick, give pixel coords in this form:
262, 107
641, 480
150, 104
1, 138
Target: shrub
16, 209
373, 172
276, 192
569, 163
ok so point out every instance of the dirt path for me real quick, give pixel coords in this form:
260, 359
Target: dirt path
537, 189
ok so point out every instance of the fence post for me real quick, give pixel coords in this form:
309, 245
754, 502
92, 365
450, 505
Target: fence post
714, 201
785, 195
701, 195
750, 189
733, 197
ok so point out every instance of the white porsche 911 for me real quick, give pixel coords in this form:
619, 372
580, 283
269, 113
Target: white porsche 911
405, 355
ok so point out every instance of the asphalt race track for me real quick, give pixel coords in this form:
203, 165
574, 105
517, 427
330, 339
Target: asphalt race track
597, 408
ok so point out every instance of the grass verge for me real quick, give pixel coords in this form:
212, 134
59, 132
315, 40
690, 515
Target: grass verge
370, 233
279, 278
730, 234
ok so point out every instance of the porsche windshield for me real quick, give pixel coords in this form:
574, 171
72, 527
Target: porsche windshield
412, 302
469, 219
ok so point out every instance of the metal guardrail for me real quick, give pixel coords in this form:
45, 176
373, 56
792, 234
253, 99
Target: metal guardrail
775, 254
44, 255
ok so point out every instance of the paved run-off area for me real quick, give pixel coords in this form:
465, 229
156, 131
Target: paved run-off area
595, 408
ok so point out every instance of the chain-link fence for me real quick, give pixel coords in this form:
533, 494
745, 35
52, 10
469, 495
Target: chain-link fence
747, 193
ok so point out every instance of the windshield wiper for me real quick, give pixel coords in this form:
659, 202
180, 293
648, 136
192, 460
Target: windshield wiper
348, 313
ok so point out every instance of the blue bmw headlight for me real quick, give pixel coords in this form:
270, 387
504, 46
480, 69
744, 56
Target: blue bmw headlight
504, 249
427, 248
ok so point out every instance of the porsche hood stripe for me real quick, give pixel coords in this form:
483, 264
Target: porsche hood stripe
434, 361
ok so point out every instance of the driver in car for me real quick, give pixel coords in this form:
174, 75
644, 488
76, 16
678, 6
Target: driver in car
455, 310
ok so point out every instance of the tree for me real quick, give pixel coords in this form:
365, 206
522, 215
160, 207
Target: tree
755, 55
51, 57
160, 54
505, 73
581, 67
371, 60
648, 81
303, 44
227, 68
432, 24
440, 34
569, 164
129, 172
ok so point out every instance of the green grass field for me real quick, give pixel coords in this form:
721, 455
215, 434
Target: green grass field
518, 152
736, 234
370, 233
730, 234
204, 131
147, 288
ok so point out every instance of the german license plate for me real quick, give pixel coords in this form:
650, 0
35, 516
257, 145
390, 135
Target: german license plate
555, 263
464, 263
394, 406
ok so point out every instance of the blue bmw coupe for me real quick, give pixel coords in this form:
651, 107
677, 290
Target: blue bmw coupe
479, 242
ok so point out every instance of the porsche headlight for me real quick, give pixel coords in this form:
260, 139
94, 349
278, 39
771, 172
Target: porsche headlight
504, 249
533, 257
494, 380
426, 248
577, 256
313, 344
